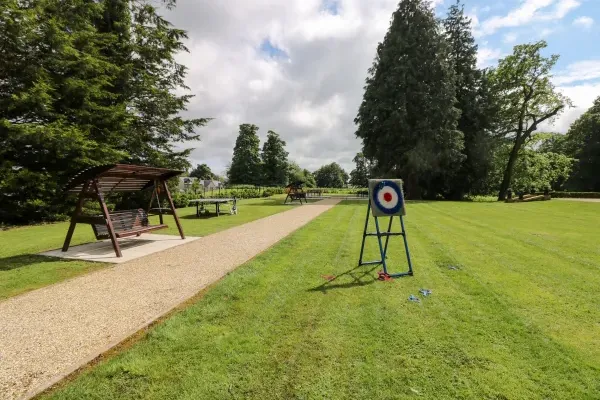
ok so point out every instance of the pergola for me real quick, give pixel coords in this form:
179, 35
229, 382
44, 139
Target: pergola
96, 183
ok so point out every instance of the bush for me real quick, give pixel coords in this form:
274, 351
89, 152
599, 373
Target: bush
575, 195
182, 200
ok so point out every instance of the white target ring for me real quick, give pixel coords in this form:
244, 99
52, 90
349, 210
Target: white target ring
388, 198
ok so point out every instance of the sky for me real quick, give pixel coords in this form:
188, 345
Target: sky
298, 67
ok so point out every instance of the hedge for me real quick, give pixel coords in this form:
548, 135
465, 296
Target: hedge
575, 195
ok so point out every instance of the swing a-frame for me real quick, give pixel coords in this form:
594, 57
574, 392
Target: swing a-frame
95, 183
385, 200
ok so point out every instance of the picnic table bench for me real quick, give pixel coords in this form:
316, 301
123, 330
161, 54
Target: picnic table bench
200, 203
314, 193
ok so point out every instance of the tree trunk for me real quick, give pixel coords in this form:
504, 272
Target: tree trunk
509, 170
413, 191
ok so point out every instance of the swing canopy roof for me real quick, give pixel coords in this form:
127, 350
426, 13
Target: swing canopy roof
120, 177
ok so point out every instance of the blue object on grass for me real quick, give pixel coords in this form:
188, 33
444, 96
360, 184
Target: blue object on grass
413, 298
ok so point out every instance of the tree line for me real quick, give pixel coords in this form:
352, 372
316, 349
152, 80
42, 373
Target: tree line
450, 129
270, 165
84, 83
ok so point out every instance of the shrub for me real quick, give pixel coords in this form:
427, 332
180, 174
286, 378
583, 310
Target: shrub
181, 200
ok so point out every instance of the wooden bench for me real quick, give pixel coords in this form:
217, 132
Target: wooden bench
314, 193
126, 223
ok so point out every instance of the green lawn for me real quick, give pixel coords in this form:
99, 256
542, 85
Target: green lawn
21, 270
519, 319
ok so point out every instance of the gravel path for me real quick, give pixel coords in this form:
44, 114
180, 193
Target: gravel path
48, 333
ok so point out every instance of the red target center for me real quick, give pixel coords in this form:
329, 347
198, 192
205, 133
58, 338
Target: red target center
387, 197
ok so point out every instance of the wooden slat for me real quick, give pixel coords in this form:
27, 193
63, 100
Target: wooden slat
134, 232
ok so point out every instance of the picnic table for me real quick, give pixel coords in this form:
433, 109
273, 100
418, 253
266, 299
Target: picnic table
200, 203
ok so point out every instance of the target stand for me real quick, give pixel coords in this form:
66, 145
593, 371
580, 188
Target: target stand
385, 200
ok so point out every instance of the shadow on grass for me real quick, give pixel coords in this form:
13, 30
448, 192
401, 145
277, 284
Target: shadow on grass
25, 260
360, 275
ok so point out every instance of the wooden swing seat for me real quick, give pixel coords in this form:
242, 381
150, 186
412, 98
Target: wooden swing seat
95, 183
126, 223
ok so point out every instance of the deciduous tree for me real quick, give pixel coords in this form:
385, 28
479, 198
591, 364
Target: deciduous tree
202, 172
296, 173
331, 176
359, 176
527, 98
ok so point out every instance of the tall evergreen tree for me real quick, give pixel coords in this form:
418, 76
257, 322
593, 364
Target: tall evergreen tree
274, 160
475, 101
407, 119
245, 165
84, 83
583, 143
57, 111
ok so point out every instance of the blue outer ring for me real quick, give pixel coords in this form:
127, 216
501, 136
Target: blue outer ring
398, 191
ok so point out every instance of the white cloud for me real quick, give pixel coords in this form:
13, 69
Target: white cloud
529, 11
583, 94
585, 22
563, 7
487, 57
310, 97
583, 97
578, 72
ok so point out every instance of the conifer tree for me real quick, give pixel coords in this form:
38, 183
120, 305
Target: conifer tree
475, 102
407, 119
274, 160
245, 165
84, 83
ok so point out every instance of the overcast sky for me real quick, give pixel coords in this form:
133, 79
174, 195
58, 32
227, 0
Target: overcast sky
298, 66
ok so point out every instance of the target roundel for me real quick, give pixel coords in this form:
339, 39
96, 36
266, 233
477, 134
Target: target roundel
386, 197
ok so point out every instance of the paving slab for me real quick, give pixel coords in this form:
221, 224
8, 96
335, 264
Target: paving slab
48, 333
131, 248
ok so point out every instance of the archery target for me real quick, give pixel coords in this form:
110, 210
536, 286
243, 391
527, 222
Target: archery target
386, 197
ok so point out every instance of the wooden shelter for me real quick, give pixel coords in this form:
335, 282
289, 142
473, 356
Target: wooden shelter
96, 183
